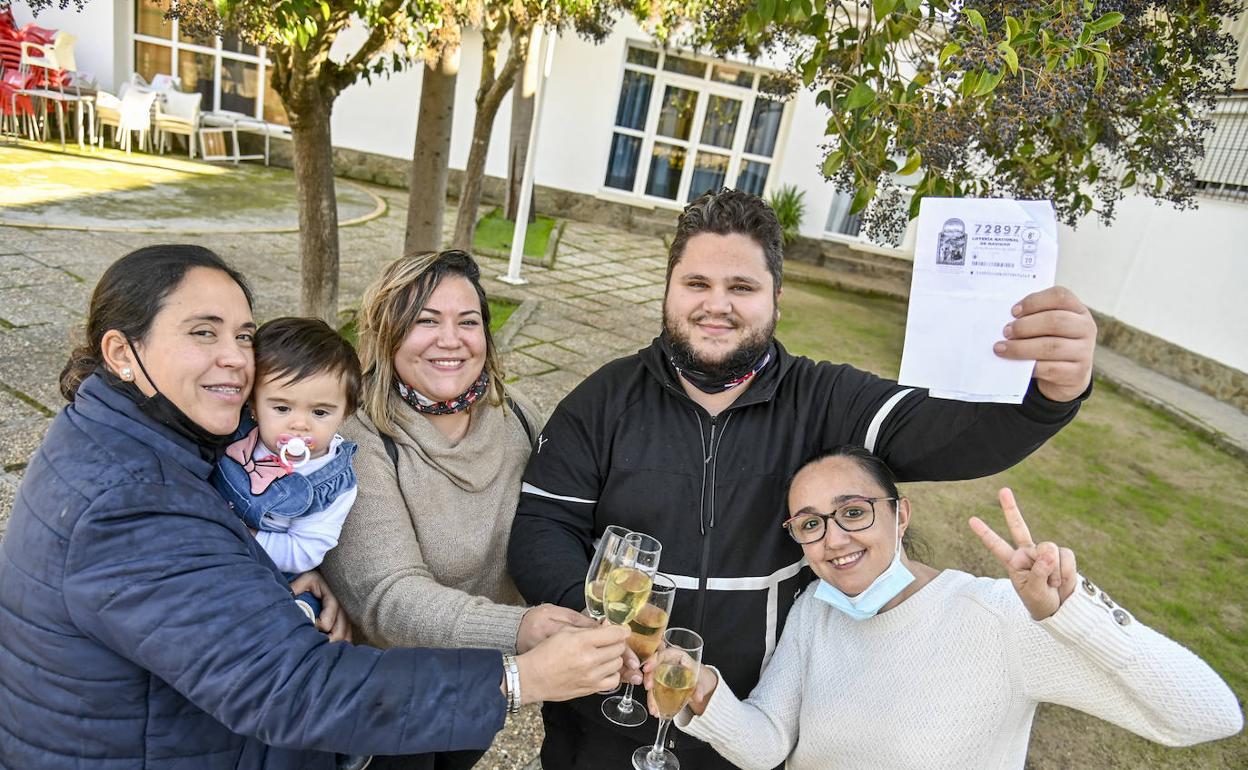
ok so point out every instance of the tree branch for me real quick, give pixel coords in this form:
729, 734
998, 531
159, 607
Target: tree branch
343, 75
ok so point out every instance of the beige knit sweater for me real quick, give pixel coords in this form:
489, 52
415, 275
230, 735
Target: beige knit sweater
422, 558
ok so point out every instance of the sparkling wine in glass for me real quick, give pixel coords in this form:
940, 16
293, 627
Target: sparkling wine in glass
679, 662
628, 583
606, 556
647, 628
600, 566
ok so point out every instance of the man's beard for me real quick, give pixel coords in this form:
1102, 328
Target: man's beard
737, 362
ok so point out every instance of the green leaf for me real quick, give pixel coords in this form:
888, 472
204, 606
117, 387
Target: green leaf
859, 96
824, 98
810, 68
969, 81
753, 22
766, 10
913, 5
1128, 180
817, 27
883, 8
1099, 60
833, 162
977, 21
950, 49
1108, 21
1010, 56
862, 198
915, 201
988, 81
1012, 27
325, 10
912, 163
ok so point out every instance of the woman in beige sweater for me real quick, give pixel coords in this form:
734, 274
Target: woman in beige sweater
421, 561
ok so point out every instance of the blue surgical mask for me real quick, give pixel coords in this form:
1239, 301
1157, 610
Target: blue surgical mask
882, 590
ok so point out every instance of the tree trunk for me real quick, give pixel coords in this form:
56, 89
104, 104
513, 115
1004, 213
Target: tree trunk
494, 86
426, 203
522, 104
318, 206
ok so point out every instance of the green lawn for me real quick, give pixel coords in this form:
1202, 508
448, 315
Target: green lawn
1155, 515
494, 233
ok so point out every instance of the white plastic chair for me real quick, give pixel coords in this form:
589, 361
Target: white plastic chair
59, 58
136, 115
107, 113
178, 113
163, 83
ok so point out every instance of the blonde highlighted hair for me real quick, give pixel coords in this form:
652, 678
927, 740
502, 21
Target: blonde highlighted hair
389, 311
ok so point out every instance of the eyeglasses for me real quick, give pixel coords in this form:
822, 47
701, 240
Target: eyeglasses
854, 516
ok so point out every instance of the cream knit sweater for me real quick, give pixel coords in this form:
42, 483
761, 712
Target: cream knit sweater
950, 678
422, 558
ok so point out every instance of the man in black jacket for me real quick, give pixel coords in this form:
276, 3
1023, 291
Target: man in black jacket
694, 438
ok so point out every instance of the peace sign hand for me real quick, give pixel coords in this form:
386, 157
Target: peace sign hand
1043, 575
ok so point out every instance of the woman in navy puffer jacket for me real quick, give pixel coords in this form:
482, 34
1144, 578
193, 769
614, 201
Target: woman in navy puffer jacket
141, 626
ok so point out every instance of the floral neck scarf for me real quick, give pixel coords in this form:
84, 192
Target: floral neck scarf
424, 405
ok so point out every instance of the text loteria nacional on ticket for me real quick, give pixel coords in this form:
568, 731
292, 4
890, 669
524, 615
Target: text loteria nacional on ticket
974, 259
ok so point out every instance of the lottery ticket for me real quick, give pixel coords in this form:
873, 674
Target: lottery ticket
974, 259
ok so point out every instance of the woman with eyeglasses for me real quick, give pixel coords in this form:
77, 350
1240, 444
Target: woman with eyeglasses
886, 662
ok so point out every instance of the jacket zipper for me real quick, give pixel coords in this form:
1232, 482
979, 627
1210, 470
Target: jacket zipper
706, 510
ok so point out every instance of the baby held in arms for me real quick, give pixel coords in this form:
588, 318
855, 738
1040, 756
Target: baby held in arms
288, 476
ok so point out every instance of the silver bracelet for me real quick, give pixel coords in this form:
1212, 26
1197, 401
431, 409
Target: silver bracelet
512, 670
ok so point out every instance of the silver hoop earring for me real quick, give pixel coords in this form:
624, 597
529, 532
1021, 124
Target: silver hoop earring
127, 374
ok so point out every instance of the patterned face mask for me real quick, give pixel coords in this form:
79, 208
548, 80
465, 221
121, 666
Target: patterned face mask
425, 405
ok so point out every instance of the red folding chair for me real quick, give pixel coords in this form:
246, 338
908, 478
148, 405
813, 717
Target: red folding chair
14, 106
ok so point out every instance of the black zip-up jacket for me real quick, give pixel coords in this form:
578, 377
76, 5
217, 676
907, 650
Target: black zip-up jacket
629, 447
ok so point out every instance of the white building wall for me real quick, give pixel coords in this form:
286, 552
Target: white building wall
577, 120
102, 37
1179, 275
377, 117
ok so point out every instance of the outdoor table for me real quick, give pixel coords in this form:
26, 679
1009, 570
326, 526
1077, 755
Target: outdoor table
80, 97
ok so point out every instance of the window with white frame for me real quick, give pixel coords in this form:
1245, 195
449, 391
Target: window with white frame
684, 126
840, 221
231, 74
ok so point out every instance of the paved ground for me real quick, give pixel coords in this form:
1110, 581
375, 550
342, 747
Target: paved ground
600, 301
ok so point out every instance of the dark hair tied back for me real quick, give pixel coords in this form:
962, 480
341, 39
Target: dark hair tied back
879, 471
130, 294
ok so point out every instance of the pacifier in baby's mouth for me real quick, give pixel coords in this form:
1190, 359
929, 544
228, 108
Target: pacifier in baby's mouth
298, 447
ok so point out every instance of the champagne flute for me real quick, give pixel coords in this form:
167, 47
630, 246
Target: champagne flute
679, 662
606, 556
602, 562
647, 631
628, 582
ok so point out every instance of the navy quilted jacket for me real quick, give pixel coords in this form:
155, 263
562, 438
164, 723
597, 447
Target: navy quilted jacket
141, 626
